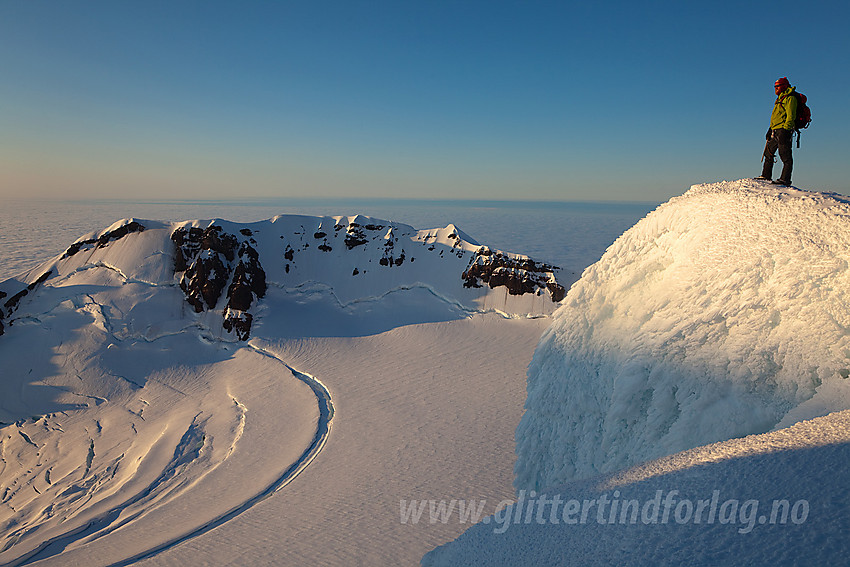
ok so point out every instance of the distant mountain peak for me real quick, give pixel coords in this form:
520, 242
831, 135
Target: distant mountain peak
227, 268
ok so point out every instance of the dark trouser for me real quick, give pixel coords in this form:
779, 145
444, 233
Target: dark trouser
780, 139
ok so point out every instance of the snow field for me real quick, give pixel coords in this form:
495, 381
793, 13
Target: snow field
134, 426
422, 412
122, 432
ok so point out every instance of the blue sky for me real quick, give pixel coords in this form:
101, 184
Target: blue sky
407, 98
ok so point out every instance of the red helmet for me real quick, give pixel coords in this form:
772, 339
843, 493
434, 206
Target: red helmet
783, 82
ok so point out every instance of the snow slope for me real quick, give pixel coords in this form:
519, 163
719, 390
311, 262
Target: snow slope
422, 412
778, 498
722, 313
142, 382
721, 317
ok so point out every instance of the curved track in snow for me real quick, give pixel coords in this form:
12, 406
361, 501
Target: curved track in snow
326, 412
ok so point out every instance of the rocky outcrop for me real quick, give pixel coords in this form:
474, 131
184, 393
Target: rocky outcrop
105, 238
390, 258
218, 268
2, 314
520, 275
204, 257
354, 236
211, 260
12, 303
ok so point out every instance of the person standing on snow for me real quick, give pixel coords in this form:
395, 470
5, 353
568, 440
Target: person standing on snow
780, 132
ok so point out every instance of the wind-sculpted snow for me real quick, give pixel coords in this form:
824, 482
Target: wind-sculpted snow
721, 314
779, 498
139, 386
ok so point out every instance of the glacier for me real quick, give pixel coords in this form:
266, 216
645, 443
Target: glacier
146, 393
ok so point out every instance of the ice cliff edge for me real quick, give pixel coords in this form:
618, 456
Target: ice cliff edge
722, 313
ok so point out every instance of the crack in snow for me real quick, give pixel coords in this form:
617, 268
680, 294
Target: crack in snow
101, 264
314, 286
106, 523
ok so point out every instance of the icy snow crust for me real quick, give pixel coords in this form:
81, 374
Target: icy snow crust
723, 313
804, 462
121, 405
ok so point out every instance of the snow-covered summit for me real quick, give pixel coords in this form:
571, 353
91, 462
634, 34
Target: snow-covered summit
723, 313
227, 268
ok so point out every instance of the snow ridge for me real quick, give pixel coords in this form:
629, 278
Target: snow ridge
722, 313
224, 268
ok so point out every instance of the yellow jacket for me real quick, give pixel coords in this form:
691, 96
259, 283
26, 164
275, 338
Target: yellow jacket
784, 111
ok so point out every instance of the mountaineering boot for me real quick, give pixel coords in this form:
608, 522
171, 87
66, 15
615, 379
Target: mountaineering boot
781, 182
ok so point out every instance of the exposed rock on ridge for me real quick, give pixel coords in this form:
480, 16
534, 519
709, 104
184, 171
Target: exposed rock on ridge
105, 238
519, 275
223, 268
209, 259
2, 295
12, 303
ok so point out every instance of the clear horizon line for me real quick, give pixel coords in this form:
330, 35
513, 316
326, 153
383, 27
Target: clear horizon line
259, 201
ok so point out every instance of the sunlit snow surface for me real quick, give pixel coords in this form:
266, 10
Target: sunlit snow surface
131, 423
722, 316
718, 315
